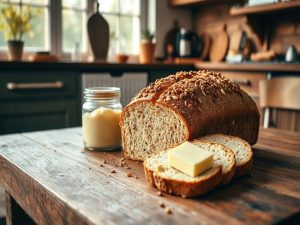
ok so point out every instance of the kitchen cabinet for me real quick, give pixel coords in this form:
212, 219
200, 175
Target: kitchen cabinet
38, 100
40, 96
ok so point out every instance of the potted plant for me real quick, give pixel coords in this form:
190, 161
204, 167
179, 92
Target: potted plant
14, 23
147, 47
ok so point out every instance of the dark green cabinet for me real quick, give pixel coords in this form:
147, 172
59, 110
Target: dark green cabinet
39, 100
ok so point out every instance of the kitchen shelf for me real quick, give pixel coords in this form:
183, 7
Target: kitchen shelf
189, 2
251, 67
267, 8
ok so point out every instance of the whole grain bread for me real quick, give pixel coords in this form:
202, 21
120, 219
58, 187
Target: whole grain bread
172, 181
185, 106
241, 149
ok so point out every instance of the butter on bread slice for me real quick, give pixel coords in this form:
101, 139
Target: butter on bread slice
172, 181
189, 159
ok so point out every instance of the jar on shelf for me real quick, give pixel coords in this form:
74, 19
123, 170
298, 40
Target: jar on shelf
101, 114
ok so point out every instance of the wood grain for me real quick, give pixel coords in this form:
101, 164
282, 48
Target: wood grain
50, 171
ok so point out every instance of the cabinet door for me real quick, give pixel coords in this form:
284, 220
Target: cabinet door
38, 115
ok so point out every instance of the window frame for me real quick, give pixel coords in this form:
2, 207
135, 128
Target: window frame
55, 28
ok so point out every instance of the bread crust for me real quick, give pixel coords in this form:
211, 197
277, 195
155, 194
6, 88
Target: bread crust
183, 188
244, 169
205, 102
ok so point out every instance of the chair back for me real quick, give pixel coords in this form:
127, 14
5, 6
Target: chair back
281, 92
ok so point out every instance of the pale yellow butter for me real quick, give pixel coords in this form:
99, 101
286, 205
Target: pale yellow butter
190, 159
101, 128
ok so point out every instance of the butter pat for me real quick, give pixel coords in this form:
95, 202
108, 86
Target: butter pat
190, 159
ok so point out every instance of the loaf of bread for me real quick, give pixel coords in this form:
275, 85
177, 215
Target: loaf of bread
183, 107
172, 181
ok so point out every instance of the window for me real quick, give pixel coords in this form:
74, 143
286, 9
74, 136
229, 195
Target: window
39, 40
60, 24
74, 17
124, 18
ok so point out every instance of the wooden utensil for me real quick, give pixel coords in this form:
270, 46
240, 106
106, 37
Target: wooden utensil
219, 47
206, 46
235, 40
98, 32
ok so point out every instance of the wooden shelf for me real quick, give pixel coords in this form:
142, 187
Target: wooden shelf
251, 67
189, 2
267, 8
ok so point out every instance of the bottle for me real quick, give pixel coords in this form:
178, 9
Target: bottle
76, 54
101, 114
185, 45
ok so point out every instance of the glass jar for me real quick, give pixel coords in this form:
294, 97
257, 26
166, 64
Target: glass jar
101, 114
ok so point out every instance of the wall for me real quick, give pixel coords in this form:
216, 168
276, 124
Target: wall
165, 16
285, 30
281, 28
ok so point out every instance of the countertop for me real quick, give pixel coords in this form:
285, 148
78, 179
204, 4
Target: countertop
55, 181
136, 67
89, 66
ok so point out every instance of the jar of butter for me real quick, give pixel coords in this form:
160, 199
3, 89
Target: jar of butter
101, 114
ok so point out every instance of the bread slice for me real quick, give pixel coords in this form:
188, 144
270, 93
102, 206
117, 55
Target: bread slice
241, 149
223, 156
172, 181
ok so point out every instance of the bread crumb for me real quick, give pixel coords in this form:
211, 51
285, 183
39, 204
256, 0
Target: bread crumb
113, 171
129, 175
168, 211
162, 205
104, 161
101, 165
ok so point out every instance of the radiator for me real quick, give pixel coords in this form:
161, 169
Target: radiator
130, 83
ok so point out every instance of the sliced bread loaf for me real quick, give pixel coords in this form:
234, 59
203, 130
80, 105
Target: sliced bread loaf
183, 107
172, 181
241, 149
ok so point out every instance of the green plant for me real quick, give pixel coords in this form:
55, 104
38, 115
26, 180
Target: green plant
147, 35
15, 21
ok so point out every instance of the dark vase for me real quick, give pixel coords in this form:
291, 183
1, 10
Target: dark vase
15, 50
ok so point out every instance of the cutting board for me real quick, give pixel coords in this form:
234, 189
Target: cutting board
206, 44
98, 32
219, 47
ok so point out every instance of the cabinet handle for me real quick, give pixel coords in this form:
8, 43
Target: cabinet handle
243, 82
30, 86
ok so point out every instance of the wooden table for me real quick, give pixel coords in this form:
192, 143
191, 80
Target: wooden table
50, 176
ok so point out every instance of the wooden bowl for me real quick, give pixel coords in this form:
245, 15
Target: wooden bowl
121, 58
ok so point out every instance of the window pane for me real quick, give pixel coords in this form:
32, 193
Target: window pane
132, 7
74, 3
74, 30
109, 6
129, 37
40, 2
38, 40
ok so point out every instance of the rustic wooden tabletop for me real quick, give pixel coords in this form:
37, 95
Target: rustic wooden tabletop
50, 177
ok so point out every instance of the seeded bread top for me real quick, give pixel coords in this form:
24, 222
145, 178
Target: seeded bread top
187, 85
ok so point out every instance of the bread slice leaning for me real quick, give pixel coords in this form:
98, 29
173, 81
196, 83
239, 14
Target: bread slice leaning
172, 181
241, 149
